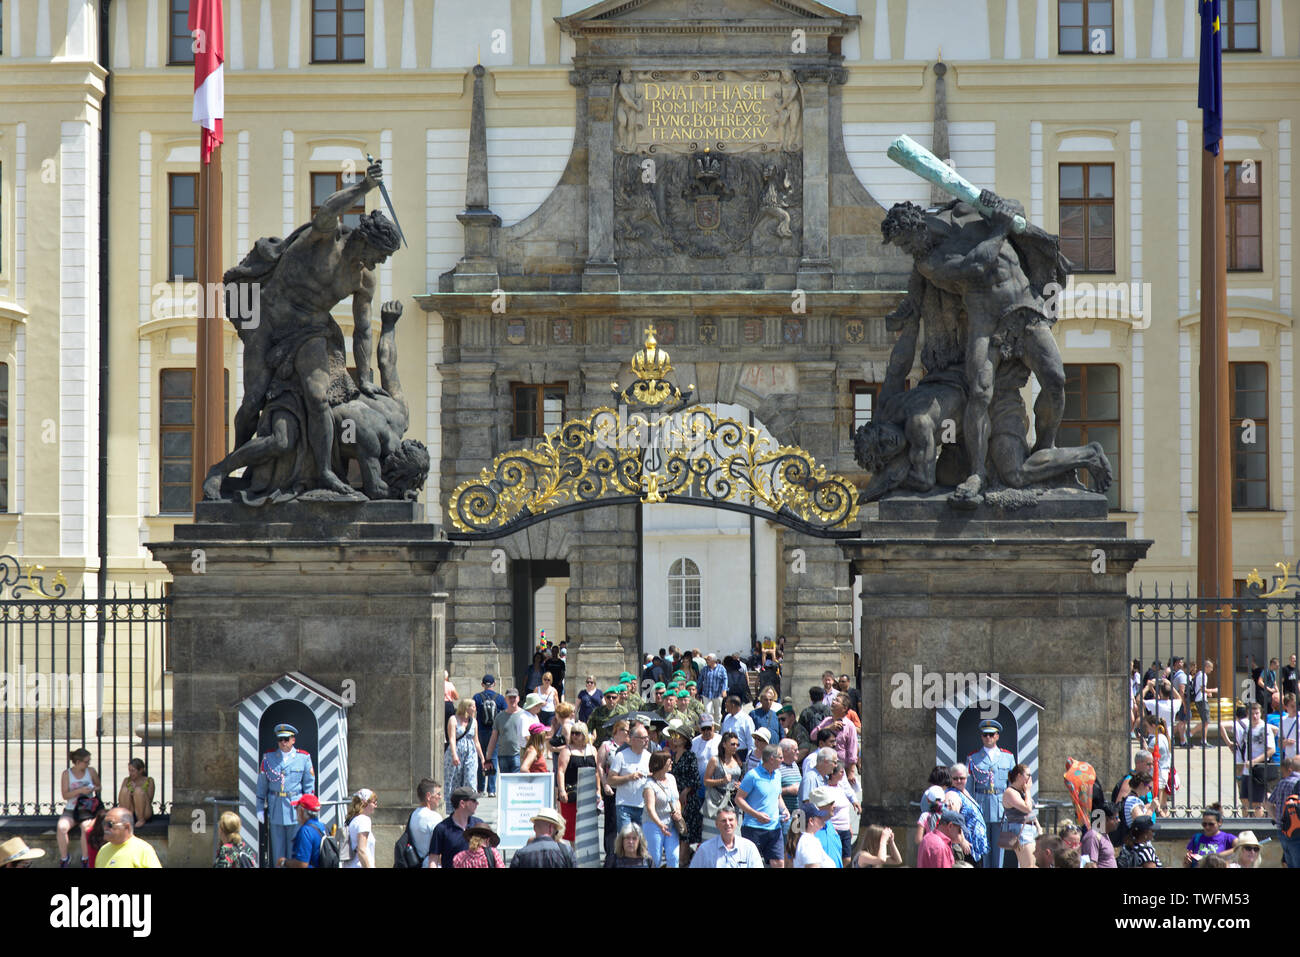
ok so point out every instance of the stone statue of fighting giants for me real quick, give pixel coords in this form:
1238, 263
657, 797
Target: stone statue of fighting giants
303, 416
977, 306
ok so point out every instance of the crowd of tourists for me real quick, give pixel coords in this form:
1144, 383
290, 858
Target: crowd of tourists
700, 762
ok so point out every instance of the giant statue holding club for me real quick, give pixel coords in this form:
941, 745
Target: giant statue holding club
980, 308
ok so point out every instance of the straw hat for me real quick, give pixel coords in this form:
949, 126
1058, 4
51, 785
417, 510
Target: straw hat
550, 816
15, 849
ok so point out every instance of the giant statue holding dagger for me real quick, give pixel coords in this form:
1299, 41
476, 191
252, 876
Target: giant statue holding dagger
302, 413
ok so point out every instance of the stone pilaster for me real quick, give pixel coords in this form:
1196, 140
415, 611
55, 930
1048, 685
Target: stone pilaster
346, 594
601, 272
1020, 595
816, 613
602, 605
815, 270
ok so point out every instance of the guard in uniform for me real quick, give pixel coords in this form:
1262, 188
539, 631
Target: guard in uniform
634, 701
989, 767
285, 775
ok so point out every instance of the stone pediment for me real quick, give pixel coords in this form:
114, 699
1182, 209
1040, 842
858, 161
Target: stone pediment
610, 13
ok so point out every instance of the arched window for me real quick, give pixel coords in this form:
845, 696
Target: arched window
684, 594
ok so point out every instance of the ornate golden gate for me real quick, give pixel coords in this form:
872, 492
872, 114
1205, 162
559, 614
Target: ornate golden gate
654, 448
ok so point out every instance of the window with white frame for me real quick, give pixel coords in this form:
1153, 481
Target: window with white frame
684, 594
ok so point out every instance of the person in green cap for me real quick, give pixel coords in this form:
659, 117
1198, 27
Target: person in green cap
657, 693
692, 704
602, 715
792, 729
668, 706
688, 717
634, 701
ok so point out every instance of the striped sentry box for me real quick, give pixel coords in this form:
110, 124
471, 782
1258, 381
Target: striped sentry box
331, 733
586, 838
1022, 708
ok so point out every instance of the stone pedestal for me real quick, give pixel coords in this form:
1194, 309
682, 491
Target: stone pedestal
1036, 595
343, 593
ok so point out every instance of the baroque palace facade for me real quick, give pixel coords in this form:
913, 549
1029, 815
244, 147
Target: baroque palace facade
1086, 112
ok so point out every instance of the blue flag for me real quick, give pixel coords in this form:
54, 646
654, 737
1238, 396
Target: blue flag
1210, 97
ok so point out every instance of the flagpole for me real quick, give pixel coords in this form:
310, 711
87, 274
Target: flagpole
1214, 509
1214, 479
209, 387
209, 445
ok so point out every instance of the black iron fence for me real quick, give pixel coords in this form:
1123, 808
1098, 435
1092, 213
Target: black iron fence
1208, 745
80, 673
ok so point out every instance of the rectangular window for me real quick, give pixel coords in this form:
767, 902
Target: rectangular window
1087, 215
865, 396
182, 225
538, 409
1085, 26
1244, 216
180, 42
1092, 414
1240, 26
176, 419
1249, 428
325, 185
684, 594
338, 31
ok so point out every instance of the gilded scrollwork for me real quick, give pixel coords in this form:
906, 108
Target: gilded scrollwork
692, 455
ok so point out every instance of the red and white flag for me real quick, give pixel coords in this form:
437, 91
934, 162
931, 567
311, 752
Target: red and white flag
209, 71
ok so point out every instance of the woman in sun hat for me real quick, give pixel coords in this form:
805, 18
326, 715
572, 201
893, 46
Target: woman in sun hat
483, 842
1246, 851
16, 854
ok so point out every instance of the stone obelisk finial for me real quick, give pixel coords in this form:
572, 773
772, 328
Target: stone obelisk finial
940, 145
477, 268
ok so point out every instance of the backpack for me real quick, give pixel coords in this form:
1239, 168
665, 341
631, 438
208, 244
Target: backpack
343, 842
329, 849
1288, 817
1126, 858
404, 853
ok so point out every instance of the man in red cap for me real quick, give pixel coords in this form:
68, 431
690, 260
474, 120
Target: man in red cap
306, 843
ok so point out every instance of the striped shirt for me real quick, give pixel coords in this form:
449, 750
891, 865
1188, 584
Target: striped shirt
713, 682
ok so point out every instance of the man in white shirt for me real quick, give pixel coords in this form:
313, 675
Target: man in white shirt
705, 744
1201, 692
425, 818
1253, 744
629, 769
742, 724
728, 849
810, 852
1289, 727
1179, 680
